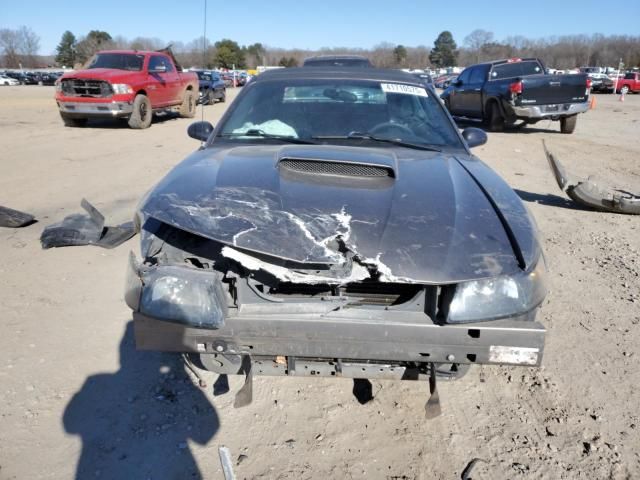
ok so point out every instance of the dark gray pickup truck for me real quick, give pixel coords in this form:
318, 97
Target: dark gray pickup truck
504, 91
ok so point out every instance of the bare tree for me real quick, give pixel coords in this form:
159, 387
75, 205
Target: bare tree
476, 40
19, 47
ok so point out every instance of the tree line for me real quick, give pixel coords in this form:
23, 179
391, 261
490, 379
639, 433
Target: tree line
20, 47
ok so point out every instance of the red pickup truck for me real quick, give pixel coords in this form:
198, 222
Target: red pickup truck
126, 84
630, 83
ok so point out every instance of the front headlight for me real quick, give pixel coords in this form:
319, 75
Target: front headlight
121, 88
58, 85
499, 297
176, 294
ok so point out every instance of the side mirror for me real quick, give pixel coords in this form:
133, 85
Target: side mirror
474, 137
201, 130
458, 83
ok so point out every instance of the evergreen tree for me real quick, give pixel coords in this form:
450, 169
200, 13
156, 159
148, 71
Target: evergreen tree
444, 53
400, 54
66, 50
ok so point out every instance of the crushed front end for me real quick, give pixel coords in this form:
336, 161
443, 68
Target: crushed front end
354, 319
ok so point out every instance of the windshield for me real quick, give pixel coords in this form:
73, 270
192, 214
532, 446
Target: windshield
204, 76
341, 111
120, 61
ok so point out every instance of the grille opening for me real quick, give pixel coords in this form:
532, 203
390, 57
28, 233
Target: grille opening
363, 293
341, 169
86, 88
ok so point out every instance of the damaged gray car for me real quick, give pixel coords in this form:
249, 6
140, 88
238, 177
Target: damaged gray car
335, 223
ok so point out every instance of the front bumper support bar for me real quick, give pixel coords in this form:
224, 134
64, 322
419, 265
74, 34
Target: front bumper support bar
340, 335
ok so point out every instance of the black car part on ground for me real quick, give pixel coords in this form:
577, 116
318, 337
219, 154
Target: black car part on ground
590, 192
15, 219
78, 229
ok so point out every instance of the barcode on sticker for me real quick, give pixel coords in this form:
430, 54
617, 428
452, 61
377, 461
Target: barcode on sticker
404, 89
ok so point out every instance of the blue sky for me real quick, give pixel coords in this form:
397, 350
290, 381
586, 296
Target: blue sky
325, 23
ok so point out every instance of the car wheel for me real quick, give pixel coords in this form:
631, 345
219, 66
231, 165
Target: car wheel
188, 107
568, 124
495, 121
223, 98
142, 113
73, 122
624, 90
211, 99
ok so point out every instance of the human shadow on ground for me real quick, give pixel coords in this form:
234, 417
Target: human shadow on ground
137, 422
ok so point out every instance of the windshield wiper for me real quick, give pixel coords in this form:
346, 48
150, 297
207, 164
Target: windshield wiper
368, 136
254, 132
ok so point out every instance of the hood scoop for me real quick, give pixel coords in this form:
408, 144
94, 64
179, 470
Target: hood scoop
336, 161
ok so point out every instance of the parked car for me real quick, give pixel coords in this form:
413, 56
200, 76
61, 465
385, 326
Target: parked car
212, 87
337, 61
629, 84
49, 78
336, 223
601, 83
444, 80
503, 91
126, 84
5, 80
227, 78
424, 77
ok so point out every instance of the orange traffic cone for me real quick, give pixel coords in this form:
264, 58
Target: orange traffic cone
592, 105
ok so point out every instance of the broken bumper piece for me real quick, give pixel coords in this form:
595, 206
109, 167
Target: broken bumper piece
78, 229
590, 193
14, 219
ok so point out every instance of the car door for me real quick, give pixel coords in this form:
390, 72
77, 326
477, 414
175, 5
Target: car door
159, 89
473, 93
174, 81
458, 90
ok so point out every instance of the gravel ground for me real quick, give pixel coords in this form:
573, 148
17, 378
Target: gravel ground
77, 399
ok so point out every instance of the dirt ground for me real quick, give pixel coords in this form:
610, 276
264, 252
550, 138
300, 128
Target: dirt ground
76, 399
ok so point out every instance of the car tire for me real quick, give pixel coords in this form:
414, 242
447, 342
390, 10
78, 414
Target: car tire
73, 122
495, 120
188, 106
625, 89
568, 124
142, 113
223, 97
211, 99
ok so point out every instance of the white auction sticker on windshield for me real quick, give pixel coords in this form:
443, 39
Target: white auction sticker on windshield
404, 89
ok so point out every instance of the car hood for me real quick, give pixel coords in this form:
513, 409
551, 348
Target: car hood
108, 74
417, 216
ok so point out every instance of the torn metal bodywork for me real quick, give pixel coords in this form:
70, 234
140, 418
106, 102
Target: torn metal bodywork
590, 192
14, 218
79, 229
416, 227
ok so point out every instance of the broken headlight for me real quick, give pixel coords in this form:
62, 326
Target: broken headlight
499, 297
177, 294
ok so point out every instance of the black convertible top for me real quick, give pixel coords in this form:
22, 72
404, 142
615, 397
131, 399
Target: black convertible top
375, 74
